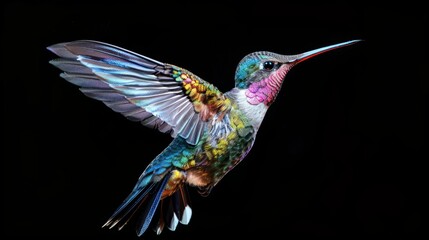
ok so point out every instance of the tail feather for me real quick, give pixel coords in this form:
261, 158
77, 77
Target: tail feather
178, 209
181, 205
177, 204
171, 216
186, 205
147, 195
161, 222
147, 216
131, 204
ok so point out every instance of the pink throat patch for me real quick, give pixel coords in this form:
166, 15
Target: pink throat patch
266, 90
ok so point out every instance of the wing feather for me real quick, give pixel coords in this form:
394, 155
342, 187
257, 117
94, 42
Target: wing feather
85, 81
159, 95
70, 66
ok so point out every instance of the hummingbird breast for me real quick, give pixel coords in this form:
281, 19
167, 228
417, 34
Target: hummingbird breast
225, 144
254, 113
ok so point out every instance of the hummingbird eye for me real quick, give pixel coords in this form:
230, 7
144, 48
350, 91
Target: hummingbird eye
268, 65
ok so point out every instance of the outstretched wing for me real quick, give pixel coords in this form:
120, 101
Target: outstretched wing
159, 95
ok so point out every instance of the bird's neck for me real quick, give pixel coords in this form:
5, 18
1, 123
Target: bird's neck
266, 90
255, 113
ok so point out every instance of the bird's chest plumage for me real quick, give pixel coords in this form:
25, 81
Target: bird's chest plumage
226, 143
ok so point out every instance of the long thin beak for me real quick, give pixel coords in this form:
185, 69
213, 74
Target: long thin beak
295, 59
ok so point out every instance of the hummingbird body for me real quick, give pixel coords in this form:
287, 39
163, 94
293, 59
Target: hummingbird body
212, 131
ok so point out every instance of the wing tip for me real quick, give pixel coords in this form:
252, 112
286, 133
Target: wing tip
54, 47
55, 62
60, 49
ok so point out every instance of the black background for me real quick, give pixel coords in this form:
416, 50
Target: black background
340, 152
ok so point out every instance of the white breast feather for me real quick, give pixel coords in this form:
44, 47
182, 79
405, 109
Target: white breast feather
255, 113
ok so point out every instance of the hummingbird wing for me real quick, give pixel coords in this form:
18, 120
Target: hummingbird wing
159, 95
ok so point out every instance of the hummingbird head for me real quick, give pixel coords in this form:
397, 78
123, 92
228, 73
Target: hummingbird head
262, 73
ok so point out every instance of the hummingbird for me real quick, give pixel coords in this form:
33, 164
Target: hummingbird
211, 131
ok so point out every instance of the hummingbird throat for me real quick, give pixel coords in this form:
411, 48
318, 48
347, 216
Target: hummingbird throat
266, 90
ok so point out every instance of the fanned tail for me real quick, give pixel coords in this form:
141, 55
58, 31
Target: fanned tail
147, 196
145, 192
174, 210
